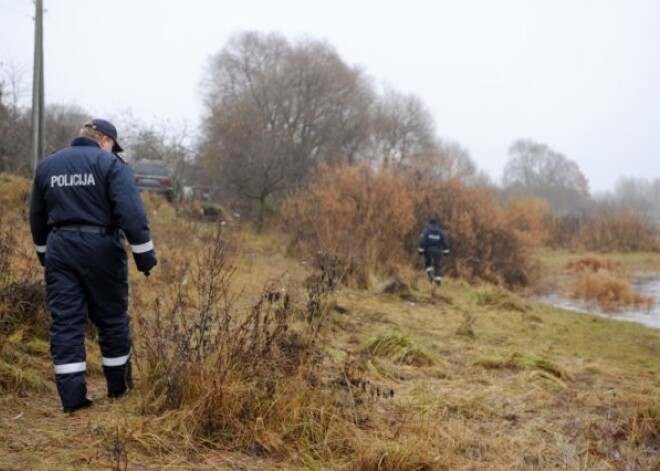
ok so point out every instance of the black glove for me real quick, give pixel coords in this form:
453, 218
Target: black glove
42, 258
145, 261
445, 252
420, 251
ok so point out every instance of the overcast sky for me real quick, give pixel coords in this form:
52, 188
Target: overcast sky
582, 76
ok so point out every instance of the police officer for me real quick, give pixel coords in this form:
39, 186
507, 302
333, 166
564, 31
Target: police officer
432, 243
84, 206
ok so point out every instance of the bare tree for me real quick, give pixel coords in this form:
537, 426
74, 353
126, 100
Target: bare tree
14, 123
461, 167
401, 128
639, 195
164, 141
62, 122
536, 170
276, 110
449, 161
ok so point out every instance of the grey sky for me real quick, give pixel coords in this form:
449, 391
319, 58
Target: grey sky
582, 76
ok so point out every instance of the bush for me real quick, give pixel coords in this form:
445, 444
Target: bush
625, 232
484, 245
368, 222
355, 216
603, 232
526, 216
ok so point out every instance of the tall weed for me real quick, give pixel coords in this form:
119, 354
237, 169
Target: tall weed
228, 375
22, 290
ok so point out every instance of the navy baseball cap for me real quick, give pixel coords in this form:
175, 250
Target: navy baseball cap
107, 128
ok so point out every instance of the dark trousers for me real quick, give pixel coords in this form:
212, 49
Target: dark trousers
433, 262
87, 277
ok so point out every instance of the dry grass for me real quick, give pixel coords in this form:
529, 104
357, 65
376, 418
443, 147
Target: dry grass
605, 281
231, 376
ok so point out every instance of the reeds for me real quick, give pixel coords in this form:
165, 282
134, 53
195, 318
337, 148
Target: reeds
606, 282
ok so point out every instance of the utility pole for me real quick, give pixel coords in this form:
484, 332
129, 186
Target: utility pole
38, 86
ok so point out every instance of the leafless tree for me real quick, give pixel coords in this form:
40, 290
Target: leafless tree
14, 123
62, 123
461, 167
638, 195
276, 109
402, 128
164, 141
535, 169
449, 161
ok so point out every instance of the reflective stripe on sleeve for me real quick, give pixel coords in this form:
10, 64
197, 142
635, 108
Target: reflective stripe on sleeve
142, 248
118, 361
70, 368
40, 248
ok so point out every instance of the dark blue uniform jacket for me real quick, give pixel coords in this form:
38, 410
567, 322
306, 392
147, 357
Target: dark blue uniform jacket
433, 239
83, 184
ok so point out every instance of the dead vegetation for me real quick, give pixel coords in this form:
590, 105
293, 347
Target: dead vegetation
603, 231
604, 281
368, 222
243, 360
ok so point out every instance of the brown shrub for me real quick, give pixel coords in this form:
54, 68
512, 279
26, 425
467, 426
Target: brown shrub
563, 231
356, 216
625, 232
484, 246
593, 263
368, 223
603, 232
526, 216
609, 290
605, 281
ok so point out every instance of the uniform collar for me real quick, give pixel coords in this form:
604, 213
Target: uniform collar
87, 142
84, 141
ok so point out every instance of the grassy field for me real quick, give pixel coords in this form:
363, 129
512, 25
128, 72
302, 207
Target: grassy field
463, 377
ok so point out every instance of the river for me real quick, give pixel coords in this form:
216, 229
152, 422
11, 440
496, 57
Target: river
648, 286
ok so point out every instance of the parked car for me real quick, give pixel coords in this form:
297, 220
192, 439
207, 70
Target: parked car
156, 176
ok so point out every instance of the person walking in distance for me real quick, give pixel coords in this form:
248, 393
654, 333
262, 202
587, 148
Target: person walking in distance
84, 206
433, 243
